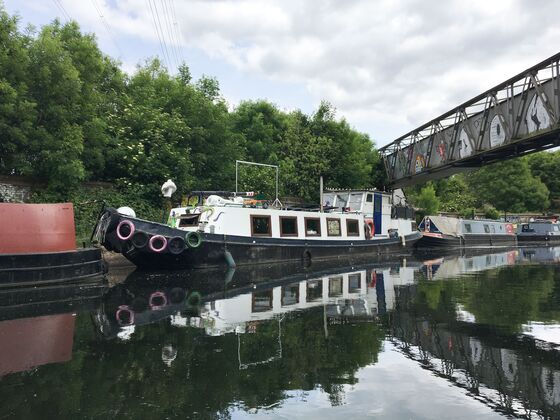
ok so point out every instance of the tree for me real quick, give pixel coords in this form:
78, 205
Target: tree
17, 110
546, 166
455, 194
427, 200
509, 186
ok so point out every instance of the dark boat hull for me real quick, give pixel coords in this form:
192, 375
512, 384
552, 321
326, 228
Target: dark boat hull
448, 241
50, 267
539, 239
221, 250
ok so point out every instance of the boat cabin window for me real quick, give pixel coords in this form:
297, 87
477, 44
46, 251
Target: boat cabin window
355, 201
493, 228
335, 286
261, 226
526, 228
290, 294
189, 220
369, 198
312, 226
486, 229
468, 228
333, 227
556, 228
288, 226
352, 227
354, 282
314, 290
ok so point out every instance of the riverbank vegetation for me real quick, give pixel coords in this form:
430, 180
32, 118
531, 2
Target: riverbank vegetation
70, 114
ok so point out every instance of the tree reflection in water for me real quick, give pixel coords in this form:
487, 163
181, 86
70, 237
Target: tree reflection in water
163, 349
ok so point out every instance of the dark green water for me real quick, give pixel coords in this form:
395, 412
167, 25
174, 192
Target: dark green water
457, 336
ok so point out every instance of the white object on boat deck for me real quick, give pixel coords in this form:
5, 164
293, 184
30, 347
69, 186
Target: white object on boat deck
127, 211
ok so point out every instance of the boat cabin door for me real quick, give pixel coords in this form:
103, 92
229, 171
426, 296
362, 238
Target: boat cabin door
377, 208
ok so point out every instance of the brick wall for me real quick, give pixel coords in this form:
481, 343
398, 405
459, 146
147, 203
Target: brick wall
16, 189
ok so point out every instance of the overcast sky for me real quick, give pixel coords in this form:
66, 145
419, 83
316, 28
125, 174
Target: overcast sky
387, 66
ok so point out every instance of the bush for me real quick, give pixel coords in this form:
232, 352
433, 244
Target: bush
490, 212
467, 213
88, 203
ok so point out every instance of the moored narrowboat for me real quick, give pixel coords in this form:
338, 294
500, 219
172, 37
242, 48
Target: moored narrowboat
538, 231
38, 246
237, 229
444, 231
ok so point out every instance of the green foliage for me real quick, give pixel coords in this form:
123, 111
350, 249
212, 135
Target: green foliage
467, 213
546, 166
89, 201
455, 194
509, 186
427, 200
490, 212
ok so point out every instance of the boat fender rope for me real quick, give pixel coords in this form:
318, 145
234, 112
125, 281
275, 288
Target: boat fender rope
157, 301
193, 239
153, 245
176, 245
124, 309
126, 235
140, 239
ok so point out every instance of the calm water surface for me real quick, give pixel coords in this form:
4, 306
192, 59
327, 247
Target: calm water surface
455, 336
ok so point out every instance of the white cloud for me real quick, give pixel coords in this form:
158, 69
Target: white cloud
404, 62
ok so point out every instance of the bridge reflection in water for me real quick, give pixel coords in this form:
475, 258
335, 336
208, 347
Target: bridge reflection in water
480, 320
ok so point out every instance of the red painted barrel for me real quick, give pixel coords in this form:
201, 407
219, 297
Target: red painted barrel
35, 228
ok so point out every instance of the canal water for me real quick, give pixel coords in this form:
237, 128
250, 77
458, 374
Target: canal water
470, 335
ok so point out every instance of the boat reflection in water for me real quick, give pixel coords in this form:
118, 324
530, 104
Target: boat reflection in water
218, 343
37, 324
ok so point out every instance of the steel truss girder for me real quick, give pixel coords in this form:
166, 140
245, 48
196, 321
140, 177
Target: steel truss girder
512, 96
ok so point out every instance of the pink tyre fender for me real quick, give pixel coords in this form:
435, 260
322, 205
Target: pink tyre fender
157, 300
125, 315
125, 230
157, 243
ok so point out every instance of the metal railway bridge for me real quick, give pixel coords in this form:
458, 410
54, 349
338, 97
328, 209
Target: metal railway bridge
515, 118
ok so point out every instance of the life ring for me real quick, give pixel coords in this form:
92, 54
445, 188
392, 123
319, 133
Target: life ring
193, 239
153, 244
125, 230
369, 229
157, 301
128, 313
176, 245
140, 239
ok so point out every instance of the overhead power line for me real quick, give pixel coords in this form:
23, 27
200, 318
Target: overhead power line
107, 27
60, 7
177, 28
169, 27
157, 27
